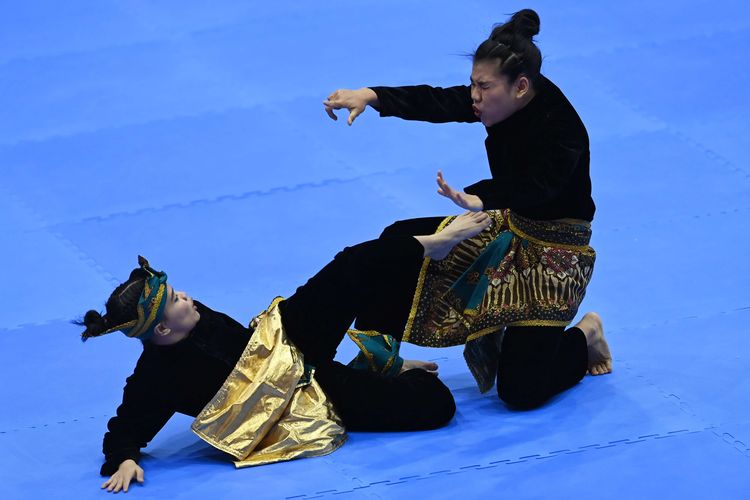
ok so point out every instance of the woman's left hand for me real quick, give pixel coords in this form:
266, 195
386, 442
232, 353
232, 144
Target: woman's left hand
463, 200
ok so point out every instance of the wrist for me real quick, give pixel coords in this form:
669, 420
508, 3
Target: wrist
476, 203
371, 98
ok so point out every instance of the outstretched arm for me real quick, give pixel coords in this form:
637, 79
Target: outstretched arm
419, 102
426, 103
145, 409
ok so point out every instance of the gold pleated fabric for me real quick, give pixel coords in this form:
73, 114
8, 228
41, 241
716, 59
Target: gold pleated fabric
264, 411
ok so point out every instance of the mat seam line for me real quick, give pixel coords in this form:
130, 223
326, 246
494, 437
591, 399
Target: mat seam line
511, 461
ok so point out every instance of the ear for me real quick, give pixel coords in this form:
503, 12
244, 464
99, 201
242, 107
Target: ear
522, 86
162, 330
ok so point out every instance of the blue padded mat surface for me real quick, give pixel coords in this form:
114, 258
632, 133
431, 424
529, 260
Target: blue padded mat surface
193, 133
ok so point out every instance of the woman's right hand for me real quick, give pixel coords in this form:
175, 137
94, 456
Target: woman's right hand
120, 480
354, 100
466, 201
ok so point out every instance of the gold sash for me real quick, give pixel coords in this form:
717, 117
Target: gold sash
263, 413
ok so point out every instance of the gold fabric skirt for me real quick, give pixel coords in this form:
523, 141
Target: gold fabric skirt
266, 411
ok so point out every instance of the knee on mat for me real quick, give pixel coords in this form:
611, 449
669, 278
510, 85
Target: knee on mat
521, 398
434, 403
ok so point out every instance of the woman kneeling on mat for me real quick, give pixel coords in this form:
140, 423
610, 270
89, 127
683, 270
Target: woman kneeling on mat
510, 296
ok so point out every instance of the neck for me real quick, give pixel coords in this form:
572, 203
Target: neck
526, 99
172, 337
523, 102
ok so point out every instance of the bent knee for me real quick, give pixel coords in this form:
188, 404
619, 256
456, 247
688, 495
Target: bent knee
443, 410
522, 398
434, 403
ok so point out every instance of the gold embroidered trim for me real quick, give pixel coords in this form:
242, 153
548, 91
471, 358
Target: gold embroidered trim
152, 315
388, 365
369, 333
368, 355
539, 322
585, 249
485, 331
420, 285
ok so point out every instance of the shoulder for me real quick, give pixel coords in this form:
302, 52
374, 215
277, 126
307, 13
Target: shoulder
148, 365
560, 118
211, 318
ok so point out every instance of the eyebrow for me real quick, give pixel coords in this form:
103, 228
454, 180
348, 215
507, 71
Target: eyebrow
478, 82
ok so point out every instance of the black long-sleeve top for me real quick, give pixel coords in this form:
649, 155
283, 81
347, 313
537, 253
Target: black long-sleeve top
539, 156
178, 378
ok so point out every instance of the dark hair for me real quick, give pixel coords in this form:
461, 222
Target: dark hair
512, 45
121, 307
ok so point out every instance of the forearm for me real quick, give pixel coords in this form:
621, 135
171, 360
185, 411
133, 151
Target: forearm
426, 103
496, 194
139, 418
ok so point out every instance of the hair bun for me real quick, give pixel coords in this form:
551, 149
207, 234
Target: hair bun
526, 23
95, 324
93, 318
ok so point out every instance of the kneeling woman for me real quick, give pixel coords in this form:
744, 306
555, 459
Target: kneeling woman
533, 278
273, 392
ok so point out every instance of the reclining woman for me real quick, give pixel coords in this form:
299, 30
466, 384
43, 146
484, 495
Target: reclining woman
273, 391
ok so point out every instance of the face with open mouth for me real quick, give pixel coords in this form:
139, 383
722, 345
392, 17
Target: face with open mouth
494, 98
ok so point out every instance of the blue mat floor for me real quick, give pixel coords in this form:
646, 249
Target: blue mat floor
202, 123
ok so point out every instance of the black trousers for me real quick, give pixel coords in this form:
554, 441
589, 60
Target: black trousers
371, 281
536, 363
372, 284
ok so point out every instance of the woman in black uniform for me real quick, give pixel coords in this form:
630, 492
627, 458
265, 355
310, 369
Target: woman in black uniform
538, 152
272, 392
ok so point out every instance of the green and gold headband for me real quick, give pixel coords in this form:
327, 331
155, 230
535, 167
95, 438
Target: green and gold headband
150, 305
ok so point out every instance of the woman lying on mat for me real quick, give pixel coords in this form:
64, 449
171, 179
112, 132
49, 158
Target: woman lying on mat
533, 277
273, 391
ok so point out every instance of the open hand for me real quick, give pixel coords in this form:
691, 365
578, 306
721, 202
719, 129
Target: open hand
354, 100
463, 200
121, 479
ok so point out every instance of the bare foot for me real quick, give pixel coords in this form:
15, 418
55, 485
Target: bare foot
438, 246
600, 359
428, 366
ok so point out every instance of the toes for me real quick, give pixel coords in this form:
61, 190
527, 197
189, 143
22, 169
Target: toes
601, 368
598, 369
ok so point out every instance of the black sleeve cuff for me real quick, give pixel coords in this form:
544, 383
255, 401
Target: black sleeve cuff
113, 461
486, 191
383, 101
